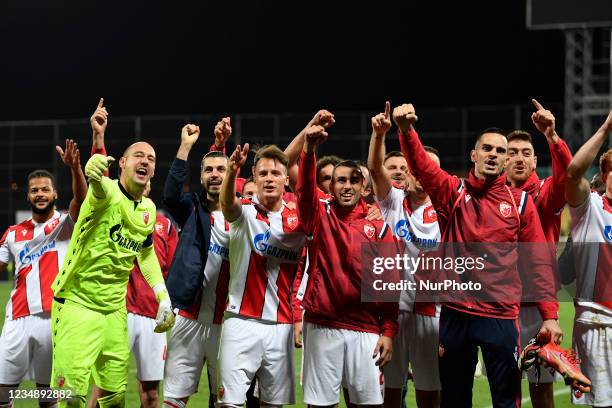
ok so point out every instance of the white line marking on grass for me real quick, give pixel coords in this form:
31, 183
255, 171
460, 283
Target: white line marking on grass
526, 400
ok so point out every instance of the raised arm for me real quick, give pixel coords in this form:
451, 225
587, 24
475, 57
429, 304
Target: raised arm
72, 158
560, 154
179, 203
381, 124
230, 204
306, 187
99, 121
322, 118
576, 186
223, 131
443, 189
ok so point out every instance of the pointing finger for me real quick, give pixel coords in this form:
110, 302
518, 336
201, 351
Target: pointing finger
101, 103
537, 104
387, 109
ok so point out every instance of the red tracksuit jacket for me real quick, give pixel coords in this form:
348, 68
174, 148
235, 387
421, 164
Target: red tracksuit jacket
549, 194
491, 212
333, 294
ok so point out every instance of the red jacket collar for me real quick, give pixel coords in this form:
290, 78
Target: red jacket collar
480, 187
349, 214
531, 185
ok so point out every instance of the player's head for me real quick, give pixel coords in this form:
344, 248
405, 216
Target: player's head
413, 186
489, 153
366, 190
137, 166
249, 189
397, 167
270, 174
605, 169
347, 183
325, 167
521, 161
212, 173
41, 191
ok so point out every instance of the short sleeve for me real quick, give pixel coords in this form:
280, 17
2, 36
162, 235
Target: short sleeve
5, 253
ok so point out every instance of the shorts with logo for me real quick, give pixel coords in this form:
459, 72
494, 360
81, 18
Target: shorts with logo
191, 344
148, 347
417, 343
89, 343
25, 349
266, 352
339, 357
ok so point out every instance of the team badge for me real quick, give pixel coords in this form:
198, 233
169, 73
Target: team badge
369, 230
430, 215
61, 381
159, 228
292, 221
24, 232
51, 226
505, 209
577, 394
146, 217
221, 392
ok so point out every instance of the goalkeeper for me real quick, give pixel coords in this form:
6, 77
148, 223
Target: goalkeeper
89, 317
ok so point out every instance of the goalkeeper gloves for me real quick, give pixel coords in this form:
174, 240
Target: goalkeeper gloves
165, 315
97, 165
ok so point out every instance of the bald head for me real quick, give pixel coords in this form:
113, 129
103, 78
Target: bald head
136, 145
137, 167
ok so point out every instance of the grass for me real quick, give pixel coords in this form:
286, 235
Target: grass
481, 394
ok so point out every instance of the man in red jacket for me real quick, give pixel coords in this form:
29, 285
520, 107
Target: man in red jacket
549, 197
483, 209
346, 340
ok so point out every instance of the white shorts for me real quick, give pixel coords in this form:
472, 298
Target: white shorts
190, 345
25, 350
417, 343
253, 348
148, 347
530, 322
593, 343
339, 357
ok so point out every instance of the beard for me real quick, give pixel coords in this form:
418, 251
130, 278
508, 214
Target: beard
45, 210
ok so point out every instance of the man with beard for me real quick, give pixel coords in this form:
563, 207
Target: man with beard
407, 209
37, 246
549, 197
347, 341
484, 209
199, 276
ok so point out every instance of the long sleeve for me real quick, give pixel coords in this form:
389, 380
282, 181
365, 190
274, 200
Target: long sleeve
561, 157
536, 263
306, 192
443, 189
389, 311
179, 204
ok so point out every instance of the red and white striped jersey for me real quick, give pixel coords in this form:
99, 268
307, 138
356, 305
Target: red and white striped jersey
265, 248
38, 251
211, 302
592, 251
418, 230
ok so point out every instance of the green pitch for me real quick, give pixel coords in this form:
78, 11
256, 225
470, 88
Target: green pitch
482, 397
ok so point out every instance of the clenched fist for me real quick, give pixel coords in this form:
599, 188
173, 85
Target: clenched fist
404, 117
97, 165
189, 134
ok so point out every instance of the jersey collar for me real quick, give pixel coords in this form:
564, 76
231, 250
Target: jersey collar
125, 193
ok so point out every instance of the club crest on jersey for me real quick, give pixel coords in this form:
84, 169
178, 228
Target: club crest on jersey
61, 381
608, 232
292, 221
146, 217
430, 215
159, 227
221, 392
369, 230
505, 209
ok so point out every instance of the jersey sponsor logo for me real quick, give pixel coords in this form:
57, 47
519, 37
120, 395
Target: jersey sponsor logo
402, 230
505, 209
26, 258
145, 217
292, 221
261, 244
369, 230
219, 250
124, 242
608, 232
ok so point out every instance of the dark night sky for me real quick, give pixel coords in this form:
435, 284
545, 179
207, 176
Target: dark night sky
149, 57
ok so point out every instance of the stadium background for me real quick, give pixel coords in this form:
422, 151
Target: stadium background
270, 65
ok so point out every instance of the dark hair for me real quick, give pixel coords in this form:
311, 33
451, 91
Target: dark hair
214, 153
392, 153
520, 135
605, 163
489, 130
40, 173
325, 161
271, 152
432, 150
351, 164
